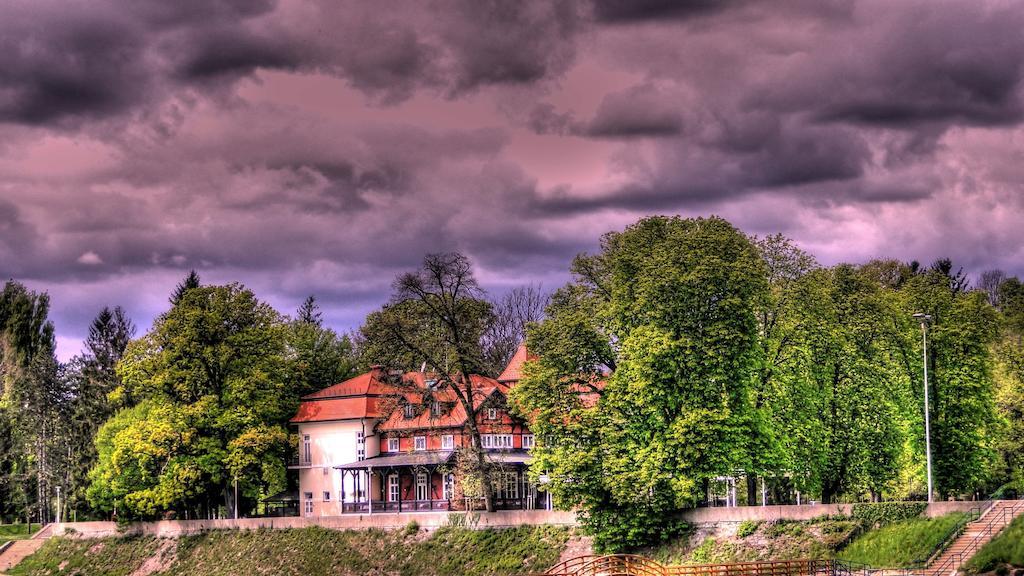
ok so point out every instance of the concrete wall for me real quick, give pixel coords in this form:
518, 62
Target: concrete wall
432, 520
807, 512
428, 520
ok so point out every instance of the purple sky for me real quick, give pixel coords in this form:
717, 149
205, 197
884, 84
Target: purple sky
324, 146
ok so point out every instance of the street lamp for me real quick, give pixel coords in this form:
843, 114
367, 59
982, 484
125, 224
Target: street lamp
926, 319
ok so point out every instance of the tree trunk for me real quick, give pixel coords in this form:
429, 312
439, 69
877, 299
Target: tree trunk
751, 490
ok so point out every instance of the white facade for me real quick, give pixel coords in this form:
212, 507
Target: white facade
323, 445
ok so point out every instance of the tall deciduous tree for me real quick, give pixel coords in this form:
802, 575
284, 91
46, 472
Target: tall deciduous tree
670, 306
31, 397
963, 329
438, 317
210, 391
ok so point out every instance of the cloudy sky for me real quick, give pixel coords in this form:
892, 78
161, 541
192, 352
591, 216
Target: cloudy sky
321, 146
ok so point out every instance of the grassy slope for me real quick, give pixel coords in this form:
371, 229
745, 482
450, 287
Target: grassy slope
1007, 548
16, 531
902, 543
313, 551
762, 541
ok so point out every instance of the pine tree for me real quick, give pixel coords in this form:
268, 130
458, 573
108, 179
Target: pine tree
191, 281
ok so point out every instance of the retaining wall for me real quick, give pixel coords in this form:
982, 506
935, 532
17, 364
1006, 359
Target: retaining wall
433, 520
428, 520
805, 512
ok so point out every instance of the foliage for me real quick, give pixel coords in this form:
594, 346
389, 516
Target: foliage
901, 544
747, 527
964, 328
211, 397
878, 514
317, 356
438, 316
669, 305
33, 404
522, 550
1006, 548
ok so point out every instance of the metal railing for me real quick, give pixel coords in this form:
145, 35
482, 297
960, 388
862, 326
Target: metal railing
996, 520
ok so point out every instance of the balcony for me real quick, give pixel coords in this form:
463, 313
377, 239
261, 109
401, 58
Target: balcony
296, 463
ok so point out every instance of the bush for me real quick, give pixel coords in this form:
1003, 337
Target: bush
779, 528
747, 527
411, 528
877, 515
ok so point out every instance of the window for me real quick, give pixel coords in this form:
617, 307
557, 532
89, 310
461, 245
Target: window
496, 441
507, 486
449, 486
393, 488
419, 443
527, 441
309, 503
492, 413
392, 444
410, 411
512, 485
360, 446
435, 408
307, 450
327, 496
447, 442
421, 486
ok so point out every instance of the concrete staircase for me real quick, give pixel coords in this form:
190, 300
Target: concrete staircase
17, 550
975, 536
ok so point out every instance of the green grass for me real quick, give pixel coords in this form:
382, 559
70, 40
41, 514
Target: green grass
1007, 548
16, 531
306, 551
902, 543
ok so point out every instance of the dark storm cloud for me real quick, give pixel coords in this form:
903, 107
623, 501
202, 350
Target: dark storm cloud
323, 147
619, 11
58, 64
923, 63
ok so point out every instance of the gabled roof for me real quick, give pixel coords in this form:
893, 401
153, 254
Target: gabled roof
514, 371
330, 409
455, 416
368, 383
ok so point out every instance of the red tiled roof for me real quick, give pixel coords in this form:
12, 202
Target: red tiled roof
368, 383
514, 371
483, 388
329, 409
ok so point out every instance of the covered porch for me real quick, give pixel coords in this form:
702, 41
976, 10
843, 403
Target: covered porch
425, 482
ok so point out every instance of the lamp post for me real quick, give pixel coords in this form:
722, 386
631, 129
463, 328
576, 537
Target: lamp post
926, 319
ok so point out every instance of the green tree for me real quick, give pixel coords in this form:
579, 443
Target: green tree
963, 328
31, 399
318, 357
91, 378
853, 387
669, 305
438, 318
209, 383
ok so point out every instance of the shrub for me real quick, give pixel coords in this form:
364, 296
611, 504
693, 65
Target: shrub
876, 515
747, 527
411, 528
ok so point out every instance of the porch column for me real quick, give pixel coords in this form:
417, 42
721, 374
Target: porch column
369, 490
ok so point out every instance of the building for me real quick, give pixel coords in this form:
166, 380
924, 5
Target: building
389, 443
